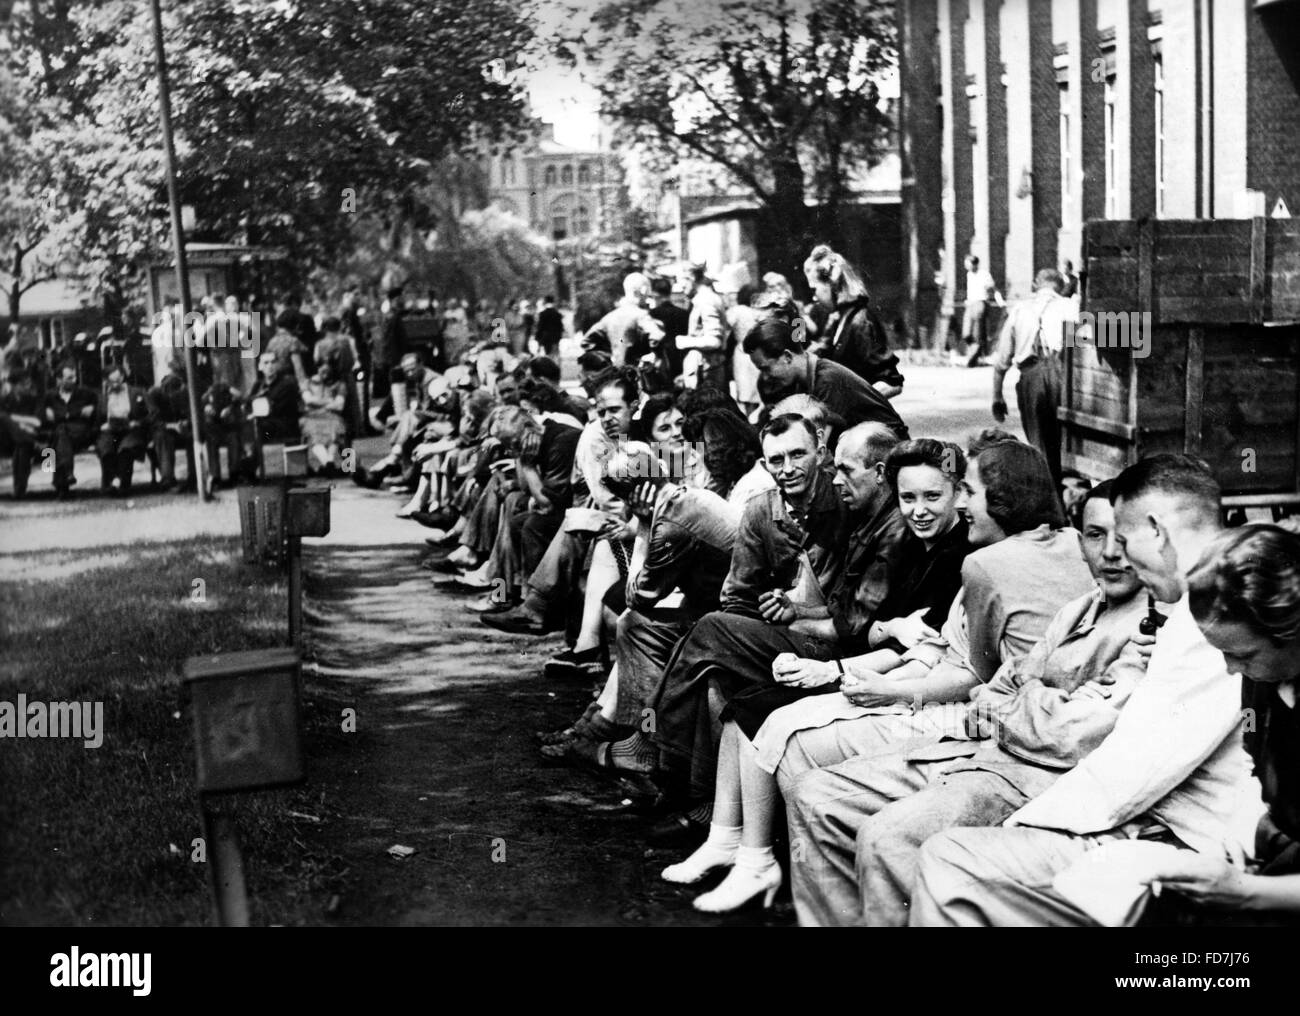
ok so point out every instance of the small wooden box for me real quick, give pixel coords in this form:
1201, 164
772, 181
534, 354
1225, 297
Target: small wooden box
309, 511
247, 719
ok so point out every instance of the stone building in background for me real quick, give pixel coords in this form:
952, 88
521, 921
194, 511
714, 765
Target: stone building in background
561, 192
1022, 119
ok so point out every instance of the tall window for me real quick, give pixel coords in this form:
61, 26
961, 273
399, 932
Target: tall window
1111, 151
584, 174
581, 220
1067, 156
566, 175
559, 226
550, 176
1158, 64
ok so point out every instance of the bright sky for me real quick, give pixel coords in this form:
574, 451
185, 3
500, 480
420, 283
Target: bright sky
557, 93
562, 97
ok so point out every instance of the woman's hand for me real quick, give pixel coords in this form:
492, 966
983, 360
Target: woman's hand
642, 500
910, 630
867, 689
798, 672
1209, 881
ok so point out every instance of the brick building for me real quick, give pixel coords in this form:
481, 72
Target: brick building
1022, 119
561, 192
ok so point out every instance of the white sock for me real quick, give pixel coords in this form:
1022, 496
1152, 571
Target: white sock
755, 858
724, 838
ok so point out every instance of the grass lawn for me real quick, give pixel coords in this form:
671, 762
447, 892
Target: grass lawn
103, 836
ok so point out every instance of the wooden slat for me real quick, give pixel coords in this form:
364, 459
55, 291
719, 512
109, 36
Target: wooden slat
1146, 251
1253, 500
1114, 428
1195, 390
1089, 467
1258, 225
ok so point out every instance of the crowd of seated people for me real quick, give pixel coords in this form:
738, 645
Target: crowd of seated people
918, 683
289, 394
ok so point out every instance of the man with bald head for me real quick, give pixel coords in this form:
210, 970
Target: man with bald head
629, 326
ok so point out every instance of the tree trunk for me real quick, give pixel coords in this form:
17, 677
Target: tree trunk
16, 290
792, 221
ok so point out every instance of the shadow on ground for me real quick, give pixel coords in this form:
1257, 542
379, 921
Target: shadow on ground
444, 760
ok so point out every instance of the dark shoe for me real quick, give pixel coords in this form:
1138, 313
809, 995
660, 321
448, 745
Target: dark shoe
570, 666
516, 622
677, 830
445, 567
499, 608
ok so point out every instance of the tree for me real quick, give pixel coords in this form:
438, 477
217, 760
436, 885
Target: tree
290, 117
780, 95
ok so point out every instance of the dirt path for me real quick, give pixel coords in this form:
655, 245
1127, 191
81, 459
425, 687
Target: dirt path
444, 760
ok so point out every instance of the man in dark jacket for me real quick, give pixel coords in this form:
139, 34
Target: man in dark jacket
787, 368
69, 411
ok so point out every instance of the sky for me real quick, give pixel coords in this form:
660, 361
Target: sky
557, 93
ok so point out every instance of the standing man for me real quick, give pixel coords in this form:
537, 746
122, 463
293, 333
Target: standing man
981, 290
392, 344
1033, 338
629, 327
550, 328
705, 362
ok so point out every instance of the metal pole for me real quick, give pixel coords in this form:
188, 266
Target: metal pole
225, 867
295, 590
178, 247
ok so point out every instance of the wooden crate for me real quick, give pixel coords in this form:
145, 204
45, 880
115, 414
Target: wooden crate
1222, 378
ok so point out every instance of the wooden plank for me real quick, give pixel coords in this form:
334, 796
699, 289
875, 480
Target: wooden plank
1195, 390
1146, 245
1089, 467
1253, 500
1074, 417
1258, 225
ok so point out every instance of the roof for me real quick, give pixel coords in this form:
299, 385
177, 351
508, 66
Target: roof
57, 298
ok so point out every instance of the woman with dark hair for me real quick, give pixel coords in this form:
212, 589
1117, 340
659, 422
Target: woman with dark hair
1245, 596
731, 452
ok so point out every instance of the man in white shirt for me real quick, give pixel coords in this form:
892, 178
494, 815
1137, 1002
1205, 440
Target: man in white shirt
981, 290
1174, 766
1032, 338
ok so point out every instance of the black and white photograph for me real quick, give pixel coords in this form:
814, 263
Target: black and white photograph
651, 463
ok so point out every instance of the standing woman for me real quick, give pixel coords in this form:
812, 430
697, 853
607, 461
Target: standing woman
853, 336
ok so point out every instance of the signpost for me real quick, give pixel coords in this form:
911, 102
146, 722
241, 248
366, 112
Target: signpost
247, 736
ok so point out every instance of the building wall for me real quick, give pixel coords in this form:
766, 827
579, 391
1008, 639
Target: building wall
554, 190
1027, 94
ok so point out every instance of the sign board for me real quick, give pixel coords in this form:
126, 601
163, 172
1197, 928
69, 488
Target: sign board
247, 721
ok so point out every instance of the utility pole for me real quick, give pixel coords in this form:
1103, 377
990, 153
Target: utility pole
178, 247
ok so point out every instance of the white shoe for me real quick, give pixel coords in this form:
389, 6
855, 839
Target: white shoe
699, 864
739, 887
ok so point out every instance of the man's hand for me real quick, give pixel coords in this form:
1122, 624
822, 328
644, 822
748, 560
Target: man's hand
541, 504
642, 500
1206, 880
910, 630
1146, 644
776, 608
999, 411
87, 412
798, 672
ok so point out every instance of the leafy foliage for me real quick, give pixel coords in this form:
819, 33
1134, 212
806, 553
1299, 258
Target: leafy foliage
781, 96
284, 112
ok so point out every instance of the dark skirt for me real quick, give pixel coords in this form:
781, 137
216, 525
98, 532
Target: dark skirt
750, 707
